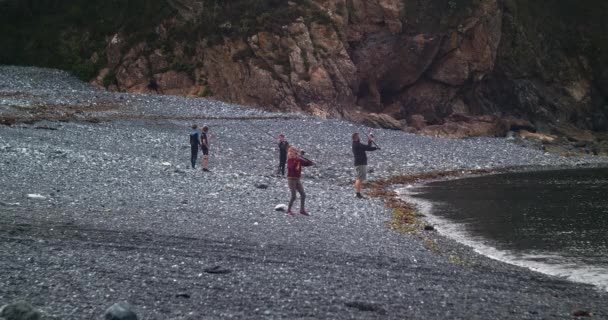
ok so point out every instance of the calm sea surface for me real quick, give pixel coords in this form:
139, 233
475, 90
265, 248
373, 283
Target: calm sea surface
554, 222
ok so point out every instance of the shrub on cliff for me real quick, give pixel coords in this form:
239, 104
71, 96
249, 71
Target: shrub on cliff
64, 34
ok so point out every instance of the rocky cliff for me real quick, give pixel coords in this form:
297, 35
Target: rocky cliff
447, 68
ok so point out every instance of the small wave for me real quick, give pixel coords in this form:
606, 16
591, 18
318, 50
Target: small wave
543, 262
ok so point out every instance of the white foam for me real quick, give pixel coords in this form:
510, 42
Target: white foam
544, 262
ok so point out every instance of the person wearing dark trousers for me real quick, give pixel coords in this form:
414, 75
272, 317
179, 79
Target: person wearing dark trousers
294, 171
205, 148
283, 146
359, 150
195, 142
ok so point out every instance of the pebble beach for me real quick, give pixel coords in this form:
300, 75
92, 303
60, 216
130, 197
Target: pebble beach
98, 204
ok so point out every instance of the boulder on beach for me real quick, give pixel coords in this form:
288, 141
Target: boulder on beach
280, 207
121, 311
20, 310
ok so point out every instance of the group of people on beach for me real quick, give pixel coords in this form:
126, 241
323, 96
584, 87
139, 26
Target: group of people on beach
294, 159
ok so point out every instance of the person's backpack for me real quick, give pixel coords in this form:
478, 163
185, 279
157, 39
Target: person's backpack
194, 138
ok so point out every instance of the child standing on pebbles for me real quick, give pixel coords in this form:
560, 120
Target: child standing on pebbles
205, 147
295, 162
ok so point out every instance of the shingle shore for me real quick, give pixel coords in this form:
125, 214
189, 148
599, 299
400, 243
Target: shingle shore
121, 216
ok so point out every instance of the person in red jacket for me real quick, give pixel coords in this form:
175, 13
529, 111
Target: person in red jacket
295, 162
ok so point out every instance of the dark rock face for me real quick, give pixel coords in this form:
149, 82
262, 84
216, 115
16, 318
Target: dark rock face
419, 61
429, 99
385, 121
461, 126
388, 63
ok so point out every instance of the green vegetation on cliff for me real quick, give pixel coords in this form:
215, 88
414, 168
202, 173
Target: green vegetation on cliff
548, 39
540, 39
64, 34
436, 16
241, 18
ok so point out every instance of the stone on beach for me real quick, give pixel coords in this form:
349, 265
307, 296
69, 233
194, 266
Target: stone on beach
217, 270
36, 196
121, 311
280, 207
20, 310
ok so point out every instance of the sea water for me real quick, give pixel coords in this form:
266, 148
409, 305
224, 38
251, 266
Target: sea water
555, 222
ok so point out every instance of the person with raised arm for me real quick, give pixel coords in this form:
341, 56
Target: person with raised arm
359, 151
295, 162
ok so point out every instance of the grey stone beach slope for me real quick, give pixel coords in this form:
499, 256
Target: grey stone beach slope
98, 205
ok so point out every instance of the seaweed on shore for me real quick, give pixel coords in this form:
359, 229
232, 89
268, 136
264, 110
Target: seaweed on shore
405, 219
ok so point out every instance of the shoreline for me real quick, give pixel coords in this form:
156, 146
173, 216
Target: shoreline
451, 232
120, 216
385, 188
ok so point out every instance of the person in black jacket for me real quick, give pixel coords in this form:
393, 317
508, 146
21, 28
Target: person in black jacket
359, 150
195, 142
283, 146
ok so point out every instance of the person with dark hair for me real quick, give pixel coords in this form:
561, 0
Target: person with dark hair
195, 142
205, 148
295, 163
283, 146
359, 150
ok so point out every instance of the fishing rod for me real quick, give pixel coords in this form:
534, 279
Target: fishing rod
263, 131
370, 137
300, 153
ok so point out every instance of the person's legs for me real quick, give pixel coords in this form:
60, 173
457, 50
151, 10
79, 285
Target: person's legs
361, 172
300, 189
282, 168
292, 188
205, 161
193, 155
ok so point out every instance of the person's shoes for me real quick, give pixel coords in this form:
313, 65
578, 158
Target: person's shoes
304, 213
360, 196
206, 170
289, 213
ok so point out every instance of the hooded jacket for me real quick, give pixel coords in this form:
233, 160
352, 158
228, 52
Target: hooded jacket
359, 150
294, 167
